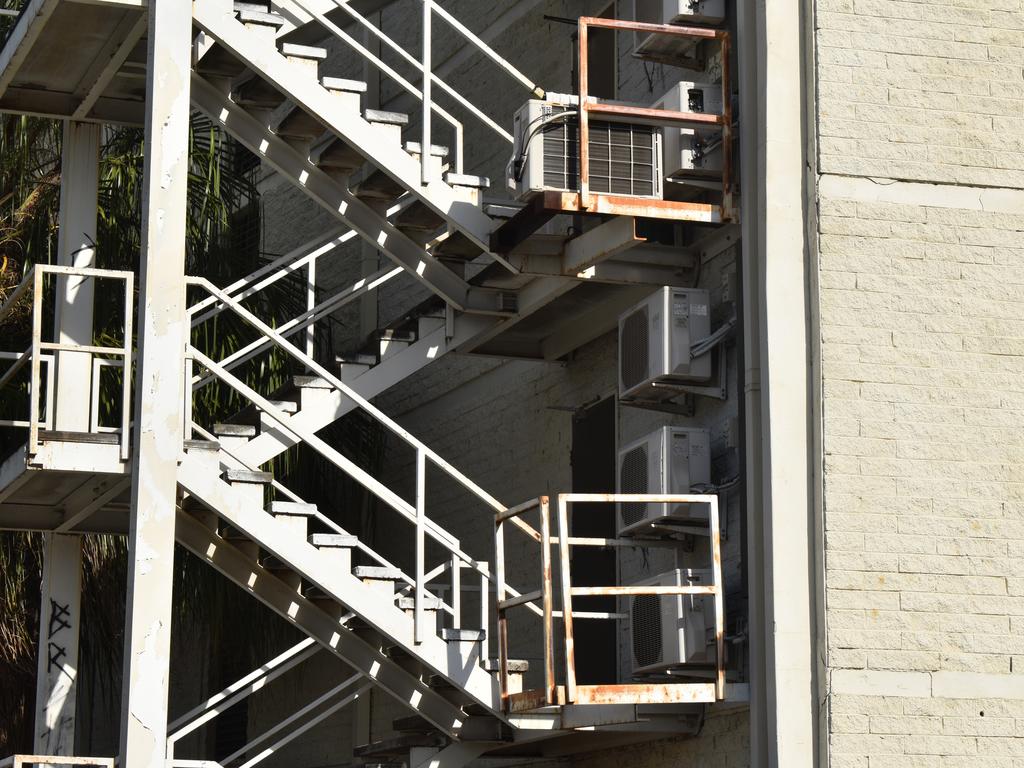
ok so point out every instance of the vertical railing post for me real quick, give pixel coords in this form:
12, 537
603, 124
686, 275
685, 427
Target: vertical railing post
310, 305
485, 618
563, 567
499, 599
584, 129
547, 597
427, 85
456, 592
34, 383
716, 575
421, 524
727, 196
126, 373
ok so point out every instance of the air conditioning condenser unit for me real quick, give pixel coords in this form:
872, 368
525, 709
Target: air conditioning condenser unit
669, 631
668, 460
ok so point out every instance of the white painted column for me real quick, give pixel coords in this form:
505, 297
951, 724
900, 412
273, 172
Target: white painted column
59, 614
76, 247
780, 404
157, 441
57, 666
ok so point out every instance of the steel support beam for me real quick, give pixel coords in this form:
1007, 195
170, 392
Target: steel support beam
163, 334
59, 621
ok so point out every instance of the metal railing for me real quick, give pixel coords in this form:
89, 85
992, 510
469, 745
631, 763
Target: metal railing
424, 65
301, 721
589, 105
569, 692
414, 512
18, 761
40, 352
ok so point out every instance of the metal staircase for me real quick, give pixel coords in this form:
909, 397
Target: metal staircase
402, 630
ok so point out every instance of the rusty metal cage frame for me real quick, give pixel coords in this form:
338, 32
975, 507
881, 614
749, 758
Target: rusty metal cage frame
552, 693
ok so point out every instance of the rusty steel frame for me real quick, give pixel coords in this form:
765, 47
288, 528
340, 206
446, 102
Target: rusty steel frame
553, 694
588, 202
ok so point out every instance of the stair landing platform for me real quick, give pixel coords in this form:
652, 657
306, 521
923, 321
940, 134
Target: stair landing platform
75, 483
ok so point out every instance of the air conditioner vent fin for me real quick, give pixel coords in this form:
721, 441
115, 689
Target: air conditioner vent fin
633, 479
635, 348
647, 631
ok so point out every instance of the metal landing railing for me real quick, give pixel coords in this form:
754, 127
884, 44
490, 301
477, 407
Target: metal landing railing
562, 688
41, 352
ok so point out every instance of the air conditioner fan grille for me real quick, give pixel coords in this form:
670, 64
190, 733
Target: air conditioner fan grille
634, 347
646, 625
633, 479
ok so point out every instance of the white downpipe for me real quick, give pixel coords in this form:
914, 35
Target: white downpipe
427, 115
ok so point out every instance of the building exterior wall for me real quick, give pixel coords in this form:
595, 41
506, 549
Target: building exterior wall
920, 121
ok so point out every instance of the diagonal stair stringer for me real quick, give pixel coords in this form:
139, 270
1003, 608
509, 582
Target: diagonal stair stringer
282, 599
273, 440
445, 659
266, 62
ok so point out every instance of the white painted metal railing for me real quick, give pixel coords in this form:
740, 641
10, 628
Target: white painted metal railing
413, 512
40, 353
425, 67
299, 722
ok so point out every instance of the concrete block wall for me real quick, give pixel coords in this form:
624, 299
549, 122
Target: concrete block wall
920, 118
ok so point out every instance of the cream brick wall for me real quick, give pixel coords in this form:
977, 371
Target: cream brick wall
922, 334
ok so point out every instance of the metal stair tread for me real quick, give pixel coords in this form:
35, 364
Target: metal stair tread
467, 180
383, 116
515, 666
377, 573
293, 508
436, 150
234, 430
202, 445
463, 635
334, 540
242, 5
248, 476
296, 51
343, 84
247, 16
311, 382
399, 744
429, 603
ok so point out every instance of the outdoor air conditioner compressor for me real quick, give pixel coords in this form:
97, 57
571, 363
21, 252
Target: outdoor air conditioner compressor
680, 11
672, 631
655, 339
625, 158
692, 152
668, 460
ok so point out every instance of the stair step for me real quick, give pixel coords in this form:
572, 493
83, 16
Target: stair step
515, 666
310, 382
332, 152
258, 93
463, 635
419, 216
466, 180
377, 573
275, 564
429, 603
360, 358
379, 186
414, 148
220, 62
297, 123
341, 84
292, 508
234, 430
247, 16
311, 52
399, 745
239, 6
248, 476
202, 445
388, 118
333, 541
